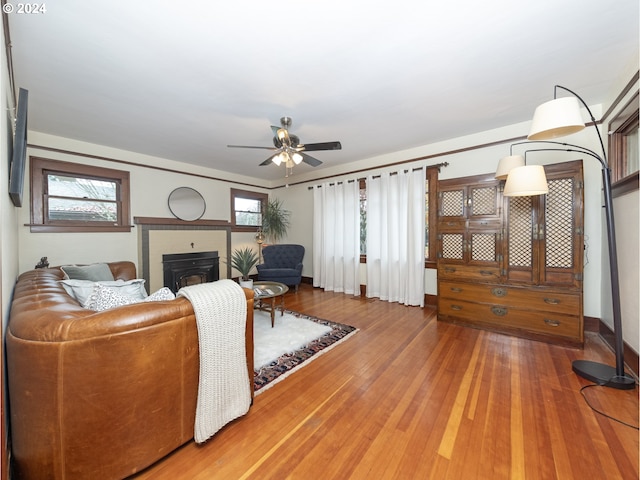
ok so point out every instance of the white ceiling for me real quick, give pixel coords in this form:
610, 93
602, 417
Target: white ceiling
181, 80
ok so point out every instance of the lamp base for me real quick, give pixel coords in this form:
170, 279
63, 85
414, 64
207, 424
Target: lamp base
602, 375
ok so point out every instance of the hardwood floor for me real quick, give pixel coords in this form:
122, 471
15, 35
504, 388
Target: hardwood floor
410, 398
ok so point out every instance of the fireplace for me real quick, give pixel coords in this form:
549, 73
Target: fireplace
184, 269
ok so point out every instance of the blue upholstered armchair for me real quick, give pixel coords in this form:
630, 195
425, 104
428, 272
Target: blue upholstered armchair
282, 263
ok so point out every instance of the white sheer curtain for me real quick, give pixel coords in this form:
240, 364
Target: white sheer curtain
336, 237
396, 237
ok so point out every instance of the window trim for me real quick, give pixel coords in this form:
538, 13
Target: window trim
234, 192
432, 177
41, 167
627, 120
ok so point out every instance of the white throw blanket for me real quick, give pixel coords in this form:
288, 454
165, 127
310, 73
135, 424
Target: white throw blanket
223, 391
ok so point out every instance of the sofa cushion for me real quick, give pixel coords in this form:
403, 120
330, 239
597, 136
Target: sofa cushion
81, 289
95, 272
103, 298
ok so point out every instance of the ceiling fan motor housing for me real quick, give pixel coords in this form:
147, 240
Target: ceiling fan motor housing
286, 122
295, 141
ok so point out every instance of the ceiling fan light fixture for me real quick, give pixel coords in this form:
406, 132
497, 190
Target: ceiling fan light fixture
278, 159
297, 158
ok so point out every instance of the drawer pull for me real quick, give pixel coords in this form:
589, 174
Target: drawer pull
499, 311
552, 301
486, 273
499, 292
552, 323
449, 269
456, 289
456, 307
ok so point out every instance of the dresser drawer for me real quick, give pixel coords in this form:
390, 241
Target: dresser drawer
513, 319
522, 298
468, 272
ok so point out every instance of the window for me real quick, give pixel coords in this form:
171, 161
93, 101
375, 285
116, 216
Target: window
246, 210
430, 217
71, 197
623, 148
363, 219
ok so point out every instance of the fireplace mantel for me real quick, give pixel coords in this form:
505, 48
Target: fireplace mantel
176, 221
151, 228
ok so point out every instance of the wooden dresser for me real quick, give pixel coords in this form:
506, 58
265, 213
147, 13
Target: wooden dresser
513, 264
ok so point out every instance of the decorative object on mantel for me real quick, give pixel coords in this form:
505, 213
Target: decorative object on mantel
557, 118
43, 263
243, 260
187, 204
275, 220
259, 240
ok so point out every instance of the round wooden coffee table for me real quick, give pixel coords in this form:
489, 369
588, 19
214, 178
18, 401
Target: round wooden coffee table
265, 295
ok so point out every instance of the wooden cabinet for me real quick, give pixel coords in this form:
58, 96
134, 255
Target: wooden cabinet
469, 228
513, 264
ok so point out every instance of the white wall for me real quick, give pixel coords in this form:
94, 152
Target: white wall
627, 223
150, 189
8, 216
627, 216
8, 213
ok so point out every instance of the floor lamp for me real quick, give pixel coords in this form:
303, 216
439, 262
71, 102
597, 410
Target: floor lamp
553, 119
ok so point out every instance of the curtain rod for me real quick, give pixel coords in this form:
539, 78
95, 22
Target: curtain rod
438, 165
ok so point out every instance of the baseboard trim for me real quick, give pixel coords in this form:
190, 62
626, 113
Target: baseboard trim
591, 324
630, 356
429, 300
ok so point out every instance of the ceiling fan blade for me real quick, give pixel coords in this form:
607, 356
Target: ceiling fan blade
251, 146
309, 160
266, 162
313, 147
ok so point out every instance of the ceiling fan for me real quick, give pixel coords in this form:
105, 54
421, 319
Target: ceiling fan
289, 150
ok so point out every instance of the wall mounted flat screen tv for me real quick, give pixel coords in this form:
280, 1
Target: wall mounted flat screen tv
19, 156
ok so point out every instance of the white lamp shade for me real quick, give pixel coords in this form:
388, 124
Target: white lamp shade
526, 181
506, 164
296, 157
556, 118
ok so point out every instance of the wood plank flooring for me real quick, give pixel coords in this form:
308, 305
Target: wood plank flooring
410, 398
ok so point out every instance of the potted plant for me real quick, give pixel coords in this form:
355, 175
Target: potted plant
243, 260
275, 220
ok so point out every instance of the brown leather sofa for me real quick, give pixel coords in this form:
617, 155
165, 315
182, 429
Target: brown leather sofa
100, 394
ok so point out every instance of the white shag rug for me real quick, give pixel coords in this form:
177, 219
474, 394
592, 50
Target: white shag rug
288, 335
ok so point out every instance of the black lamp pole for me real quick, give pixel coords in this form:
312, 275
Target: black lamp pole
600, 373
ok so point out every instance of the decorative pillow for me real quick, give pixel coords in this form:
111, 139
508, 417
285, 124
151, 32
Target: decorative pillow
103, 298
81, 289
96, 272
164, 293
